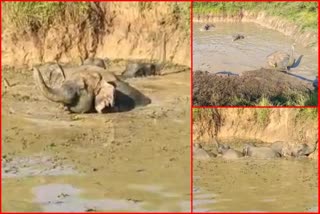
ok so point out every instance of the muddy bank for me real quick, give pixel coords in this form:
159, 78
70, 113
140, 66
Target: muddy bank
264, 185
121, 160
294, 126
250, 87
113, 30
307, 39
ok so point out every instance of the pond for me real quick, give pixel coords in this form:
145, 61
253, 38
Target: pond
214, 50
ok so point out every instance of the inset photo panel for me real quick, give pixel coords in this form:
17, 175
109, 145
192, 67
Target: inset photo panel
255, 160
255, 54
96, 107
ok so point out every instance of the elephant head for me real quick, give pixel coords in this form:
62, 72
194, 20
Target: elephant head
304, 150
80, 93
221, 148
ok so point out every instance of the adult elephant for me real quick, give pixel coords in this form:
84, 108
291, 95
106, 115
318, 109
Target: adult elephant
89, 88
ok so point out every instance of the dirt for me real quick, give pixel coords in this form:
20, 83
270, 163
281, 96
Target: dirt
107, 153
121, 32
264, 185
221, 90
294, 126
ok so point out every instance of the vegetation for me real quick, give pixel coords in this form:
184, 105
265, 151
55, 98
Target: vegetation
263, 116
303, 14
292, 100
210, 118
34, 15
307, 113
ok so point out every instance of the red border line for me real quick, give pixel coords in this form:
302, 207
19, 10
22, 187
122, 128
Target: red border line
191, 103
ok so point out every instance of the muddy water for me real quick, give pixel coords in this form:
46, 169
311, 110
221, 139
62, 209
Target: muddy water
255, 185
214, 50
117, 162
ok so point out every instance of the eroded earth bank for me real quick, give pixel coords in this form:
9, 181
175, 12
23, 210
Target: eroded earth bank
56, 161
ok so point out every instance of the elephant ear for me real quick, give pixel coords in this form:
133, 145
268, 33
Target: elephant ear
105, 96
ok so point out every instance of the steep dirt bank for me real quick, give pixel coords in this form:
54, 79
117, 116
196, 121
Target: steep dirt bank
268, 125
113, 30
307, 39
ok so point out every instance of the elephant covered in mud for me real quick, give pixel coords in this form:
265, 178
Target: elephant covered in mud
141, 70
208, 26
200, 154
87, 88
293, 150
96, 61
227, 152
260, 152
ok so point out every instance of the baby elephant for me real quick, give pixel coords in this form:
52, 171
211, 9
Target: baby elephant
227, 152
237, 37
96, 61
208, 26
140, 70
200, 154
260, 152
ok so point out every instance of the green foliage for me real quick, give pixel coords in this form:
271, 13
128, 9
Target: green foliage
263, 116
34, 15
307, 113
302, 13
294, 99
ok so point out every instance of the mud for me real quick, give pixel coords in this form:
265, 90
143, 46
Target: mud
248, 184
214, 51
220, 90
111, 155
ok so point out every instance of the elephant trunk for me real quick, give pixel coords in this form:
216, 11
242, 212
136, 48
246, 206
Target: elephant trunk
291, 59
311, 150
55, 95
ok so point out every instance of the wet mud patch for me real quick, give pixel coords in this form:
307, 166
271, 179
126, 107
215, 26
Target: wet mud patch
36, 165
110, 151
249, 88
249, 184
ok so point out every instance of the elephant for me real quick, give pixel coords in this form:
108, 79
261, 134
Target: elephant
294, 150
208, 26
96, 61
200, 154
141, 70
227, 152
260, 152
237, 37
89, 87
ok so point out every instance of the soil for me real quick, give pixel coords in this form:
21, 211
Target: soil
120, 30
264, 185
221, 90
101, 154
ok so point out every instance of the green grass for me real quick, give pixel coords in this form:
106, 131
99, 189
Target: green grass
292, 100
34, 15
262, 116
303, 14
307, 113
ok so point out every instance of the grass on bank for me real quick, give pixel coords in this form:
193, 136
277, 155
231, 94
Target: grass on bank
293, 100
36, 15
304, 14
